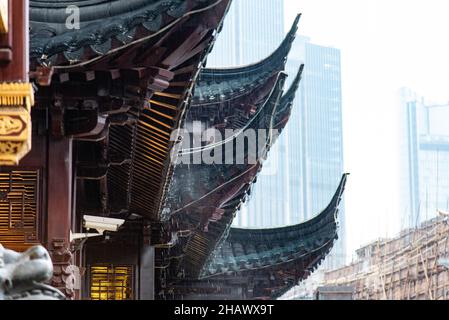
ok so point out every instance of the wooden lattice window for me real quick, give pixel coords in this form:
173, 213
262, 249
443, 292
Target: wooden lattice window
19, 209
111, 282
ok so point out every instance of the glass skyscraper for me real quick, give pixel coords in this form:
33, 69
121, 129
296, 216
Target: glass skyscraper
305, 165
314, 138
425, 159
252, 30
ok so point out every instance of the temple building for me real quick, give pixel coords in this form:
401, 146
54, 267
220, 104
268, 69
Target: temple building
94, 166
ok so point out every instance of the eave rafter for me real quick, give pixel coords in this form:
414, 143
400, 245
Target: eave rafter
129, 97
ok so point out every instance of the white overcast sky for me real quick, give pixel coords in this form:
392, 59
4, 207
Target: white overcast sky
385, 45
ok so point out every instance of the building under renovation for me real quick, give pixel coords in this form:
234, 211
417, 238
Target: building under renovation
89, 158
412, 266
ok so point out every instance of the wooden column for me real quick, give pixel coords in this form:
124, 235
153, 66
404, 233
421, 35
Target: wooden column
14, 43
59, 213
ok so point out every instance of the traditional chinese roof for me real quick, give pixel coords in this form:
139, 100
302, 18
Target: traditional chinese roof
104, 26
218, 231
252, 249
270, 261
199, 193
208, 196
217, 85
120, 85
194, 185
121, 104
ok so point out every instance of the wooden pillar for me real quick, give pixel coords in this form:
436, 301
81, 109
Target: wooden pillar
59, 214
14, 43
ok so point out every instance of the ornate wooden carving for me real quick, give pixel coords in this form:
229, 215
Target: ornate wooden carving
64, 272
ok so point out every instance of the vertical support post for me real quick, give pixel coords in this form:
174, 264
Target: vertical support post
14, 42
59, 209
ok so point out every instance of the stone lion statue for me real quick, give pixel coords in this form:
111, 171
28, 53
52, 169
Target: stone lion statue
22, 275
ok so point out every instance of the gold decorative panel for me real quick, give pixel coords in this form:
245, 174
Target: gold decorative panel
16, 100
111, 282
19, 209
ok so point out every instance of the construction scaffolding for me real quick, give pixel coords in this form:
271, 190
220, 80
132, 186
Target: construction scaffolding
412, 266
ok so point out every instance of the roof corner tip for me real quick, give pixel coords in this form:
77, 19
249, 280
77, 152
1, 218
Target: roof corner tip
300, 70
295, 24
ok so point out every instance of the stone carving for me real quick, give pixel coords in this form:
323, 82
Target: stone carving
22, 275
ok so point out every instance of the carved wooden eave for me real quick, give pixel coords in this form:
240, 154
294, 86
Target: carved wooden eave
16, 100
224, 95
269, 262
254, 249
120, 87
229, 195
208, 207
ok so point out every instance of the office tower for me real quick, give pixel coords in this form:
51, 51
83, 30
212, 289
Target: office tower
252, 30
315, 137
424, 151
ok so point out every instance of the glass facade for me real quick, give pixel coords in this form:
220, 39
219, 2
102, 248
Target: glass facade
252, 30
425, 154
315, 138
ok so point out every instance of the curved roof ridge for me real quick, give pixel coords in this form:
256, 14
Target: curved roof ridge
323, 237
49, 37
282, 51
334, 202
290, 94
273, 98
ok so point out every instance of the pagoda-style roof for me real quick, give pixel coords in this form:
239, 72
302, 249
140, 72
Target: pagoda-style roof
253, 249
119, 87
199, 193
104, 26
270, 261
218, 230
218, 85
195, 184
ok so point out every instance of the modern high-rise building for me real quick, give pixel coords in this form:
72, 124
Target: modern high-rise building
424, 158
314, 137
306, 164
246, 36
